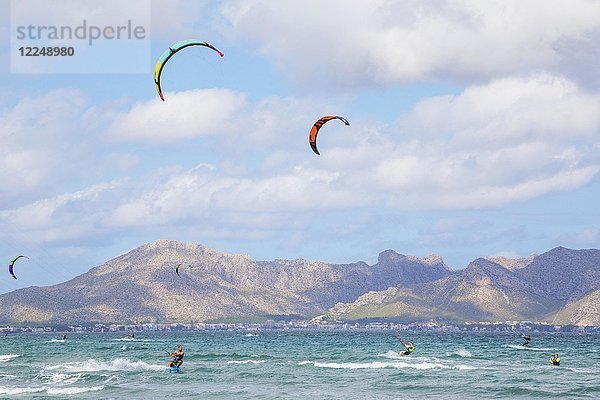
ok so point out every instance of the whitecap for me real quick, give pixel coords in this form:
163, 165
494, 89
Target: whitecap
459, 352
380, 365
73, 390
16, 390
518, 347
118, 364
58, 377
246, 362
7, 357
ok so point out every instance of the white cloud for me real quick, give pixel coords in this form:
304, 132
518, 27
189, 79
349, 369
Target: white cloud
183, 115
62, 218
478, 149
507, 141
36, 146
510, 110
385, 41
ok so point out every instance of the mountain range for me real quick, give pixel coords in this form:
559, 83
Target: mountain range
561, 286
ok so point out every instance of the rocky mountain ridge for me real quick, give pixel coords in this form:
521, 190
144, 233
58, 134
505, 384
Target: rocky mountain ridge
142, 285
561, 286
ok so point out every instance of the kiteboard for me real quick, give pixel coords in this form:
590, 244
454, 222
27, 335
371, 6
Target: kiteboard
174, 368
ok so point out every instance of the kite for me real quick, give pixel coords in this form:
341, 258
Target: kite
11, 265
160, 64
314, 131
177, 270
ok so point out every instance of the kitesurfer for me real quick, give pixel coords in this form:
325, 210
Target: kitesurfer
410, 347
555, 360
527, 339
64, 336
177, 357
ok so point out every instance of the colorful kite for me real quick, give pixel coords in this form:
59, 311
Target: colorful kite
160, 64
11, 265
314, 131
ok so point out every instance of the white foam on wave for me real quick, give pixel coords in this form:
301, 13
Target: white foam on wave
389, 364
118, 364
376, 365
130, 339
56, 341
462, 367
392, 354
459, 352
396, 356
7, 357
16, 390
58, 377
246, 362
518, 347
49, 390
73, 390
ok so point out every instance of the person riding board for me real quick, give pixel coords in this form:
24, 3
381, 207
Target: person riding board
177, 357
555, 360
527, 339
64, 337
410, 347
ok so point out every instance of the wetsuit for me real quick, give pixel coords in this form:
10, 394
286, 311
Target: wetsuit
555, 360
408, 351
178, 360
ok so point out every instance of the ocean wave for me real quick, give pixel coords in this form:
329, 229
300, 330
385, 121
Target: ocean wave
56, 341
118, 364
58, 377
7, 357
376, 365
518, 347
16, 390
246, 362
389, 364
459, 352
395, 356
49, 390
73, 390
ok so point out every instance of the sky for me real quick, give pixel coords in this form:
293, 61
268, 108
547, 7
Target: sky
474, 131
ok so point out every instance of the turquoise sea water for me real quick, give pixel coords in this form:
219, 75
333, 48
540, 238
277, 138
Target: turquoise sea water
299, 365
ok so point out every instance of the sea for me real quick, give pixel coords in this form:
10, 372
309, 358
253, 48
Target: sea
299, 365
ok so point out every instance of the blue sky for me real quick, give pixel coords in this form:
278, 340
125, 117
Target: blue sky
474, 131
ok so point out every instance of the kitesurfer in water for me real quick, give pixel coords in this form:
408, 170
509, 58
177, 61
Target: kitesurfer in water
410, 347
64, 336
177, 357
527, 339
555, 360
